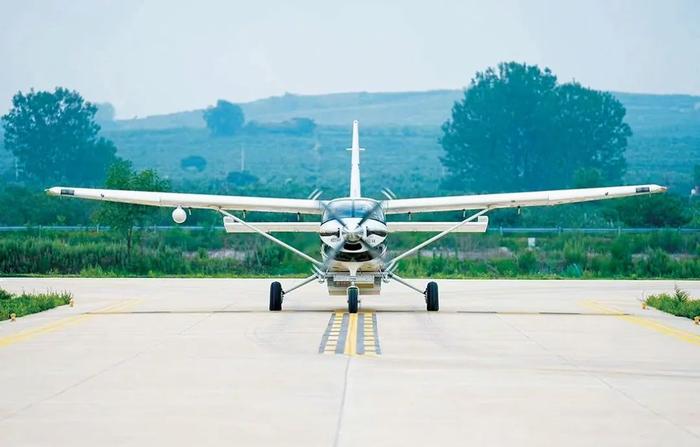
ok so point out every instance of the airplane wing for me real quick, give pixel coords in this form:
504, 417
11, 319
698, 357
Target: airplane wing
513, 200
206, 201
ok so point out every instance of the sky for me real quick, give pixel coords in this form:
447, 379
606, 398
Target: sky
161, 56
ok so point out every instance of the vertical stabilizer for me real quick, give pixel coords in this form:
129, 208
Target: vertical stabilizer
355, 189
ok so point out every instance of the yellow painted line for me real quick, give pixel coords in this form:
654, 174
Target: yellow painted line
351, 337
646, 323
60, 324
346, 326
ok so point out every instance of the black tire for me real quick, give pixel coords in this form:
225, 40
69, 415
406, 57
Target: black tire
353, 299
431, 297
275, 296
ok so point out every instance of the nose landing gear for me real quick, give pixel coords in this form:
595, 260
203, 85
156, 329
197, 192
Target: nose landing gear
353, 299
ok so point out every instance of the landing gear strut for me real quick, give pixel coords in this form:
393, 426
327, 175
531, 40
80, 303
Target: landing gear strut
430, 293
353, 299
275, 296
431, 297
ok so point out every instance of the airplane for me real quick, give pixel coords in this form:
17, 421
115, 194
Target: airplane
354, 229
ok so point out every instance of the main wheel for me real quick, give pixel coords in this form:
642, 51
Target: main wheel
431, 297
275, 296
353, 299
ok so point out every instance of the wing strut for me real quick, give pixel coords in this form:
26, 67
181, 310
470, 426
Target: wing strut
272, 238
393, 262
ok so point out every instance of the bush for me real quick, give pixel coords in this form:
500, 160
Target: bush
678, 304
212, 252
527, 262
657, 264
574, 253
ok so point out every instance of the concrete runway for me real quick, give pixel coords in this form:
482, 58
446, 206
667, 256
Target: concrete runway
201, 362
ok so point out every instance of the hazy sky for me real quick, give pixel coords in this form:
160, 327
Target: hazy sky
148, 57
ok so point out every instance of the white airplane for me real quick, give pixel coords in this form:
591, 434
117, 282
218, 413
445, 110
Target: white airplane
353, 229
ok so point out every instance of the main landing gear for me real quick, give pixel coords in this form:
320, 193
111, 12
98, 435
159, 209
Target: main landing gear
276, 296
431, 297
432, 302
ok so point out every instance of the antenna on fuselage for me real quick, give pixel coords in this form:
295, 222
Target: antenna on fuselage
355, 188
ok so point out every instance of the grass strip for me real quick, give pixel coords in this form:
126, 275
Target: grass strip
679, 303
30, 303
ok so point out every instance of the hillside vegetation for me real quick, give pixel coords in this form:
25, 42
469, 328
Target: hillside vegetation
400, 131
428, 108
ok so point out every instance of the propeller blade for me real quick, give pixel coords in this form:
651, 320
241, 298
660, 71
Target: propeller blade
369, 213
373, 251
333, 215
330, 257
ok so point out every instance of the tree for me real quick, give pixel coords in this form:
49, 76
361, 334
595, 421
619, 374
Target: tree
241, 178
303, 126
656, 210
55, 138
122, 217
587, 178
225, 119
105, 113
517, 129
193, 162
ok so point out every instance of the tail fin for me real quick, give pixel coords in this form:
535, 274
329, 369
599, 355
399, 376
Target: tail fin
355, 188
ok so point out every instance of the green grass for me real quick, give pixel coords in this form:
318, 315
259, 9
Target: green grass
30, 303
183, 253
679, 303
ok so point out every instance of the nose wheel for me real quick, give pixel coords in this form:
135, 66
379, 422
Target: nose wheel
353, 299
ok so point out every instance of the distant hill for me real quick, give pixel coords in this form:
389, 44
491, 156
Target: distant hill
399, 130
645, 112
380, 109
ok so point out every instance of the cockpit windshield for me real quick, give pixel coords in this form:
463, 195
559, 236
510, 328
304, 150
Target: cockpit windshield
353, 208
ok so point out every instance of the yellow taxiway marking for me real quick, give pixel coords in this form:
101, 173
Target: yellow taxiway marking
351, 339
351, 334
60, 324
646, 323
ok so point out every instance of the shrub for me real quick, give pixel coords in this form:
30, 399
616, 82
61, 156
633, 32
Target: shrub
657, 264
574, 253
679, 303
527, 262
